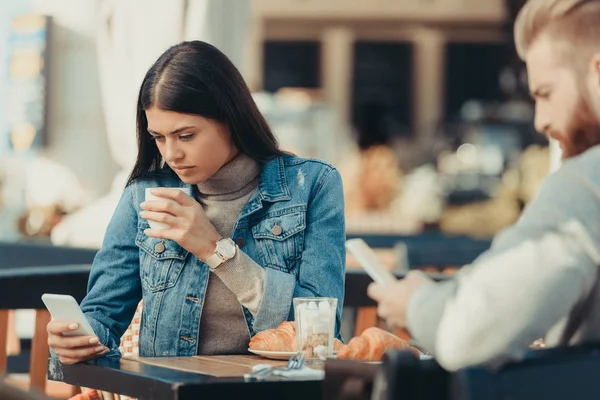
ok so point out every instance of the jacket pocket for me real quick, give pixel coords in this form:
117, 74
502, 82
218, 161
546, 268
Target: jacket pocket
279, 237
161, 262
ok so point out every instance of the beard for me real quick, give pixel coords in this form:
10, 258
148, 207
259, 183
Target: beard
583, 129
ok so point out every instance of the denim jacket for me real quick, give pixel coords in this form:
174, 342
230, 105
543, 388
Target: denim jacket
303, 196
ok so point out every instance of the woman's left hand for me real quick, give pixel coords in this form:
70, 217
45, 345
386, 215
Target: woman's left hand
190, 227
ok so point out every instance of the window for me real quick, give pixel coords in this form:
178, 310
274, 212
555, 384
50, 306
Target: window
381, 91
473, 73
291, 64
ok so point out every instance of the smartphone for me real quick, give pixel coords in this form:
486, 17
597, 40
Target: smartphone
369, 261
63, 307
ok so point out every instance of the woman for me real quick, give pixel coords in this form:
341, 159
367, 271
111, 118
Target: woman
260, 228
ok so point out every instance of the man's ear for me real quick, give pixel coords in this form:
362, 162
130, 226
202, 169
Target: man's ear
594, 70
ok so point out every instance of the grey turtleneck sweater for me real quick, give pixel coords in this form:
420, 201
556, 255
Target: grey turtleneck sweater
236, 282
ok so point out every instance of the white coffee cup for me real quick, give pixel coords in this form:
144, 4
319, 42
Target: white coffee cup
149, 197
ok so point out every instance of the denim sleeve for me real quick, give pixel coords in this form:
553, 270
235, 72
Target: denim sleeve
114, 286
321, 270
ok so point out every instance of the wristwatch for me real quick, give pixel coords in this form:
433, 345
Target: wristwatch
224, 251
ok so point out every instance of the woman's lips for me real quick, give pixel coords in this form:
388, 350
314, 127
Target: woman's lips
182, 169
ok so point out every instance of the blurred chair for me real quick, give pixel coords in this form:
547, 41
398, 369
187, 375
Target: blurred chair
403, 376
549, 374
15, 263
24, 254
431, 252
8, 392
430, 249
355, 298
348, 379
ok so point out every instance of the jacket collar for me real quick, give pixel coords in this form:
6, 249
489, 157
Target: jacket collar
273, 186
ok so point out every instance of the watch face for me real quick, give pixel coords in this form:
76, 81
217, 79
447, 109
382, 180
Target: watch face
226, 248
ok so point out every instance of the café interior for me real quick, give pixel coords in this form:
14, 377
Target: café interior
422, 107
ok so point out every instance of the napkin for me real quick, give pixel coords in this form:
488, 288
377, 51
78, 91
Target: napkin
302, 373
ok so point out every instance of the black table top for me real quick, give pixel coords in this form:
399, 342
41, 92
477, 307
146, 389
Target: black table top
148, 382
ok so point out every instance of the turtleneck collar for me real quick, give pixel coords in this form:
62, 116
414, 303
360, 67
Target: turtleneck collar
235, 179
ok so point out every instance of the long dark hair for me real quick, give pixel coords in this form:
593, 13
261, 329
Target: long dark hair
196, 78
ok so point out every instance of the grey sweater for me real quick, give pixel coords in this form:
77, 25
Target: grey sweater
526, 285
236, 282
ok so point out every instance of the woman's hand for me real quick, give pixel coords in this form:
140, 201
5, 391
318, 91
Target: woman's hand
73, 349
189, 225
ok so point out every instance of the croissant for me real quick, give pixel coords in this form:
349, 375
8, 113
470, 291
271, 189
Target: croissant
371, 345
282, 338
337, 344
91, 394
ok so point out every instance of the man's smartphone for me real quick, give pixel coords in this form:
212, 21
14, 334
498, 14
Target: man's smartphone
63, 307
369, 261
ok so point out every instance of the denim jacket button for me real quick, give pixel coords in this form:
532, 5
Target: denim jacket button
276, 230
240, 242
159, 247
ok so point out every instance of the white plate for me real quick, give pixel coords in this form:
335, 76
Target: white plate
274, 355
422, 356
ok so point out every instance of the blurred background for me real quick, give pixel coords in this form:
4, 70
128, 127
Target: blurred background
422, 105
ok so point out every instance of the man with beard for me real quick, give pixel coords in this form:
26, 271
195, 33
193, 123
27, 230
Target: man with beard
539, 278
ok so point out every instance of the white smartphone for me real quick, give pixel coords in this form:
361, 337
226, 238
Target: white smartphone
63, 307
369, 261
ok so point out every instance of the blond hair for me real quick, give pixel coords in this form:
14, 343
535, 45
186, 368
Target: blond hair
573, 23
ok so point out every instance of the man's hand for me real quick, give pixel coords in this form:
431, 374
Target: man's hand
393, 298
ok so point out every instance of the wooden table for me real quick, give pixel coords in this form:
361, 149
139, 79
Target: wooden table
181, 378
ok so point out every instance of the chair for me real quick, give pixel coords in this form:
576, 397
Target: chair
400, 376
20, 257
348, 379
403, 376
8, 392
549, 374
434, 251
23, 254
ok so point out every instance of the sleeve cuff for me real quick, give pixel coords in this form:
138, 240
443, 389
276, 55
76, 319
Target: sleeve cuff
245, 278
105, 337
275, 305
424, 313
